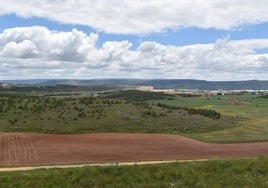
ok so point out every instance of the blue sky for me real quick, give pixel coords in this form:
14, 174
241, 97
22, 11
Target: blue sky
212, 41
179, 37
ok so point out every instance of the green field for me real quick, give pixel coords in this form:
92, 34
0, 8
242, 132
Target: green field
25, 113
233, 118
251, 109
245, 173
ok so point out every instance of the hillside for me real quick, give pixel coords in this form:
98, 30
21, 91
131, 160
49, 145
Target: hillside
157, 83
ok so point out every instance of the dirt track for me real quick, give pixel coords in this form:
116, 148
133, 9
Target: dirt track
28, 149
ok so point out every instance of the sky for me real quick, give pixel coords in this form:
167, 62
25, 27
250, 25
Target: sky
147, 39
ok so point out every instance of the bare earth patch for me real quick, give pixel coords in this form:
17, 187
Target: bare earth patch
235, 101
32, 149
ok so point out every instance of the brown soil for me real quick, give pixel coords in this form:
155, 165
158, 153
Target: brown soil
28, 149
235, 101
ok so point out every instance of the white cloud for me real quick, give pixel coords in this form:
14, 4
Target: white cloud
36, 52
26, 48
139, 16
26, 42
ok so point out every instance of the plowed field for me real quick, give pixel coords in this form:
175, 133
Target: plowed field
26, 149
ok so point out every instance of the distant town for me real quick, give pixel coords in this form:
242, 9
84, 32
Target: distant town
197, 92
181, 87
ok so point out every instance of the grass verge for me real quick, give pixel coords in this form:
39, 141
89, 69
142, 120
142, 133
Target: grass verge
214, 173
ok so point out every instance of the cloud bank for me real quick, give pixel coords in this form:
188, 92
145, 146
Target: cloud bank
143, 17
36, 52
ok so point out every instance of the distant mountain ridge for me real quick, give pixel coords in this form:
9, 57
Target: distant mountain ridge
157, 83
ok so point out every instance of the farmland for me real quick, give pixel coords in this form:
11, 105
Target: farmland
45, 128
20, 149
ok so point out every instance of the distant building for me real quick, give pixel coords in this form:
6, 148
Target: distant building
167, 91
5, 85
95, 94
145, 88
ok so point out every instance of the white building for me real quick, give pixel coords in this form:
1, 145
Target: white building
145, 88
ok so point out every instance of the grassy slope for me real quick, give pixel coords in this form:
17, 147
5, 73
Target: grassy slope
216, 173
253, 111
50, 115
239, 122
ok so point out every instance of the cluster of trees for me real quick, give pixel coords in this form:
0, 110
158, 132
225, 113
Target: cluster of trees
143, 104
264, 96
188, 95
111, 102
56, 88
203, 112
153, 113
135, 95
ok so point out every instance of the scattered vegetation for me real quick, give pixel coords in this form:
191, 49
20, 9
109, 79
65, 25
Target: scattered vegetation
63, 114
214, 173
264, 96
212, 118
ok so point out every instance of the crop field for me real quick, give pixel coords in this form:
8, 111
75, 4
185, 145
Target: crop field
16, 148
19, 149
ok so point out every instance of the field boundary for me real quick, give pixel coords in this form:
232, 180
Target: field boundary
114, 164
